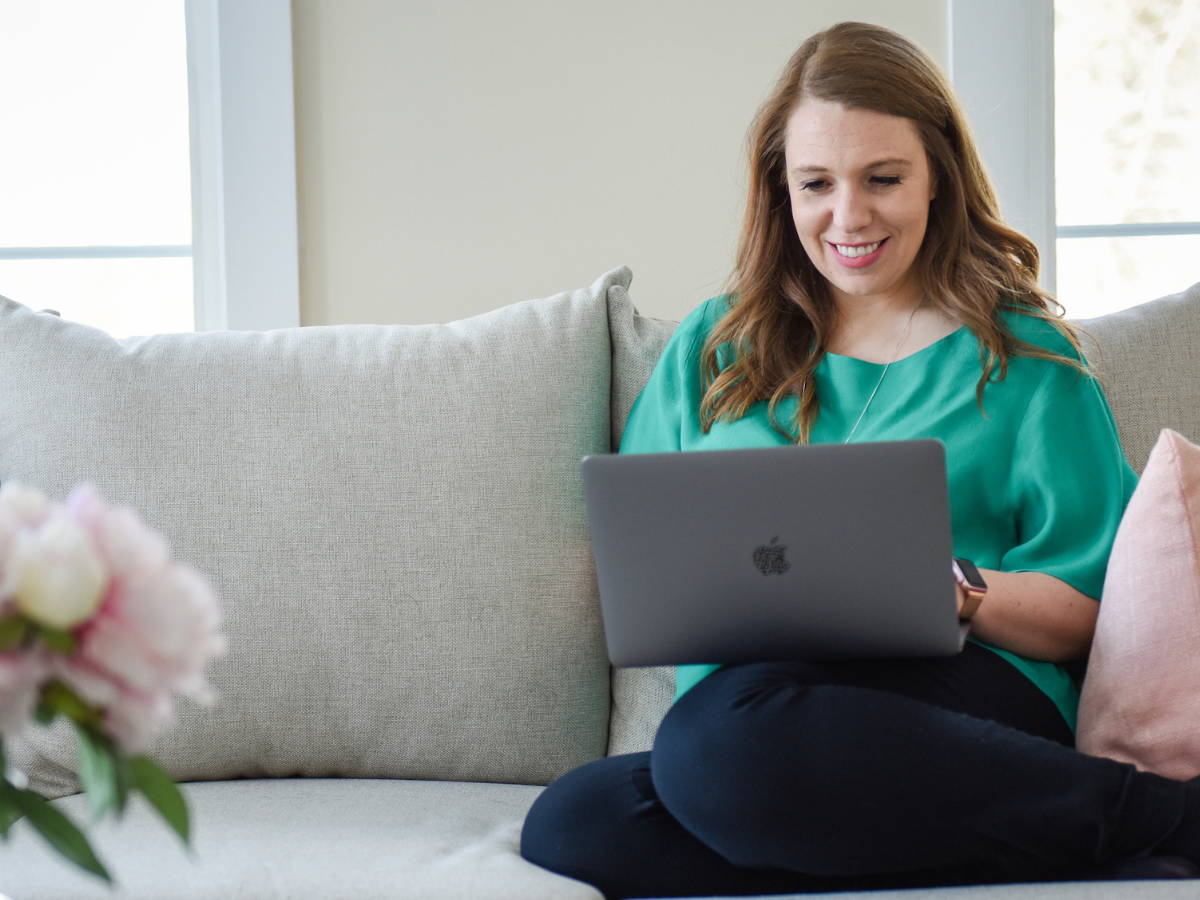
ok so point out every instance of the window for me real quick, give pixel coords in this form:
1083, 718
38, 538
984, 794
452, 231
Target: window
94, 169
1127, 144
119, 214
1080, 111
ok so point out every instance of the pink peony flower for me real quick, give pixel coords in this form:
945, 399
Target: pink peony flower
152, 633
97, 624
127, 546
54, 573
21, 675
25, 506
21, 509
144, 626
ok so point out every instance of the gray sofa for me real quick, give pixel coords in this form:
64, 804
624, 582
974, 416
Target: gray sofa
393, 517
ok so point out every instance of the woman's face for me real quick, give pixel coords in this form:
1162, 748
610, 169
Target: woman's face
860, 191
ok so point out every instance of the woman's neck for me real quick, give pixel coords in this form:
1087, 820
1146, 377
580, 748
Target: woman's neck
873, 335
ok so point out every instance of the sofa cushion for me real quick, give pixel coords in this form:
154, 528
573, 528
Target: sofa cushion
392, 516
1140, 702
1148, 362
641, 696
299, 838
357, 839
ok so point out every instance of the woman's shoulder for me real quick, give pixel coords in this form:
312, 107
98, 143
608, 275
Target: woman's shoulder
1022, 323
697, 324
704, 316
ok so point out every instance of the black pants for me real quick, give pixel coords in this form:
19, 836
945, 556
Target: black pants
798, 777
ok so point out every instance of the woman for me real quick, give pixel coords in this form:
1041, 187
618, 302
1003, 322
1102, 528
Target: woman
878, 296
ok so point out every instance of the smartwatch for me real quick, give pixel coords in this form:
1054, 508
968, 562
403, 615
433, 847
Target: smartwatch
972, 583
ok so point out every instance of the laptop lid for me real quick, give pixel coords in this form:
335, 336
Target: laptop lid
823, 551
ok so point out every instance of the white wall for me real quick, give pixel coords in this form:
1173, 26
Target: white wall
456, 156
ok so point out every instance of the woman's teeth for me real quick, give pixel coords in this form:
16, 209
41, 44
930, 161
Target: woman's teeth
857, 251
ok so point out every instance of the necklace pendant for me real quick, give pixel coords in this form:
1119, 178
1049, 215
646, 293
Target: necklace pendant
895, 356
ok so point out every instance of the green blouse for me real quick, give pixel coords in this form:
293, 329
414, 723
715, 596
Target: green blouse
1039, 485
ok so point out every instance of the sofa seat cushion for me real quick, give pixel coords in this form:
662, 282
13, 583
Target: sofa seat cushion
297, 838
300, 838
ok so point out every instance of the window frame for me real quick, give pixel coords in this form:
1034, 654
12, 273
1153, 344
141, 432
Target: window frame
245, 244
1000, 55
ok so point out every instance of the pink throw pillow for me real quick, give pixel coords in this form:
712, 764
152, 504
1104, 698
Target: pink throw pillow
1141, 698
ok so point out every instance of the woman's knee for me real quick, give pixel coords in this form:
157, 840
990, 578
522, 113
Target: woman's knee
716, 758
711, 727
573, 825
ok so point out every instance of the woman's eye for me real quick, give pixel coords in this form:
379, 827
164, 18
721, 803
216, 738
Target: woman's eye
821, 184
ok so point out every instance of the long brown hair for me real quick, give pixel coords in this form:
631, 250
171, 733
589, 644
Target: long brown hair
970, 265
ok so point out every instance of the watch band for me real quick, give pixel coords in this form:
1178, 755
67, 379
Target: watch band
972, 583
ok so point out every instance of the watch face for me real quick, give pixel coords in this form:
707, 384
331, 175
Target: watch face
971, 573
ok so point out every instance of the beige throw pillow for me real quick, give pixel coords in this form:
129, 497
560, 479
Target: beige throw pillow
392, 516
1141, 697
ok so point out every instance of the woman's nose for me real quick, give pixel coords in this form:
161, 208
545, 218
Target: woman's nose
851, 210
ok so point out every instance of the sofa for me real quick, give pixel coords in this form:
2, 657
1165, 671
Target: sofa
393, 519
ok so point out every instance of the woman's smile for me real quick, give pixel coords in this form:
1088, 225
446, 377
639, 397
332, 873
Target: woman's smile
858, 256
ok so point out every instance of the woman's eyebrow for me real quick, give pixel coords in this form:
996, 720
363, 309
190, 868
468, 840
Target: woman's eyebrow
895, 162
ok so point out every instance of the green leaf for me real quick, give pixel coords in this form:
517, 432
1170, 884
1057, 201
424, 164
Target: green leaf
60, 832
58, 698
10, 812
124, 783
163, 794
12, 631
98, 772
45, 714
57, 639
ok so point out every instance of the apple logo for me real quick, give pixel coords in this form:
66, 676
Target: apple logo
769, 560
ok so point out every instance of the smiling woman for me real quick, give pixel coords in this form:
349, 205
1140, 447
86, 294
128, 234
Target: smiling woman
871, 227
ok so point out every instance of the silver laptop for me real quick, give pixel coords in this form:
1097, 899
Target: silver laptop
824, 551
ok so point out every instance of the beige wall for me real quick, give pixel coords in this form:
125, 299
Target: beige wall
457, 156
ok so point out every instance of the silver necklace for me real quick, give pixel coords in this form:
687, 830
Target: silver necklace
895, 355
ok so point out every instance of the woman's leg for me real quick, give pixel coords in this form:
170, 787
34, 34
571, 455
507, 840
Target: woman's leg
603, 823
863, 769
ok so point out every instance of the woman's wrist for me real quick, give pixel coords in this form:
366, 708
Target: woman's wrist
972, 587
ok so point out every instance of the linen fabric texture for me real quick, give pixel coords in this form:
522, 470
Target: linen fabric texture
391, 516
1141, 700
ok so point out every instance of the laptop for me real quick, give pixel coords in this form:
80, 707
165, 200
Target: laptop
820, 551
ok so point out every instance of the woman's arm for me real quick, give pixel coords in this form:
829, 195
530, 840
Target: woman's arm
1035, 615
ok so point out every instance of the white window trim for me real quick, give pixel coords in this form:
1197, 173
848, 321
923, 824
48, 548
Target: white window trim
1002, 67
243, 159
